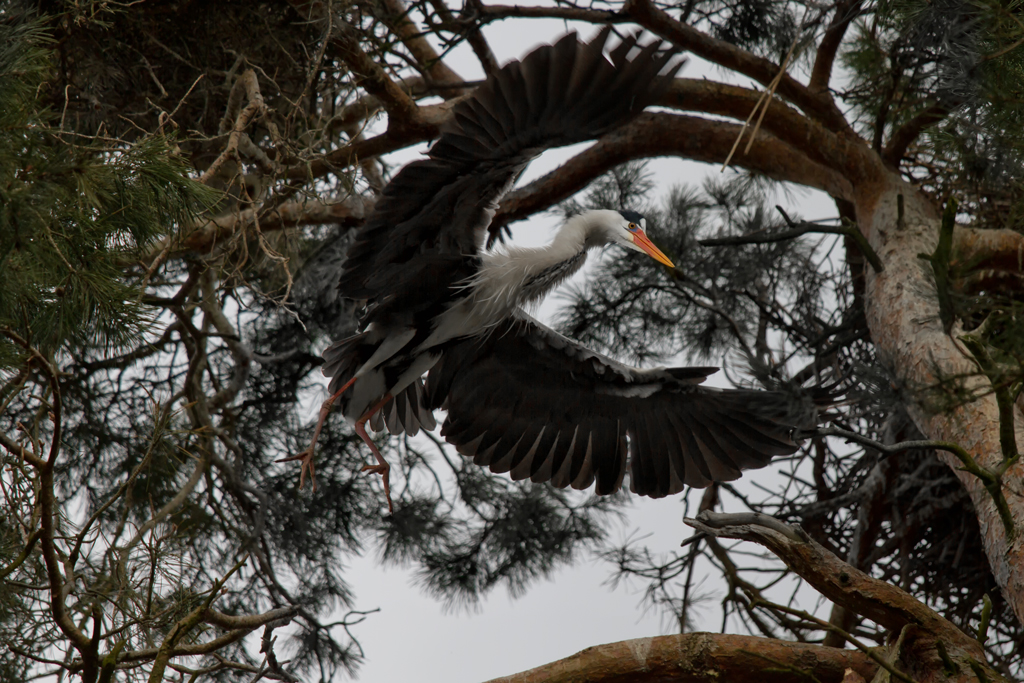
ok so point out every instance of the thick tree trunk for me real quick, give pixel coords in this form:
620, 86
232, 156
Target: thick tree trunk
903, 315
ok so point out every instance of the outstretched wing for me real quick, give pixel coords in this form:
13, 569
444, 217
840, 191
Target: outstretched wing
431, 217
531, 402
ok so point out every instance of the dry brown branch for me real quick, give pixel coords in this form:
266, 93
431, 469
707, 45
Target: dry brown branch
701, 658
402, 110
905, 135
57, 585
248, 84
652, 135
841, 583
396, 15
819, 106
490, 13
989, 249
350, 213
821, 73
357, 150
356, 113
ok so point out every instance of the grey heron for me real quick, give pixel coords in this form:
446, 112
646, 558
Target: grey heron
520, 398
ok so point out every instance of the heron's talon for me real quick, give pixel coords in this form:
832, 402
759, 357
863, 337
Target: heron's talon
384, 471
306, 458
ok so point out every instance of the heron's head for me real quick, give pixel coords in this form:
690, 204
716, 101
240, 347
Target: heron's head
625, 228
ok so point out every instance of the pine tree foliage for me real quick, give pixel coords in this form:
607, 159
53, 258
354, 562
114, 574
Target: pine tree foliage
76, 213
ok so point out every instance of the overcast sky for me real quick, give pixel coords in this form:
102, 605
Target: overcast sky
412, 637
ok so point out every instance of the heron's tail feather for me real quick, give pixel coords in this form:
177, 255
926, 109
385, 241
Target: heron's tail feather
407, 412
345, 356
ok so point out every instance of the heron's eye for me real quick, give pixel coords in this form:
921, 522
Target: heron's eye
633, 227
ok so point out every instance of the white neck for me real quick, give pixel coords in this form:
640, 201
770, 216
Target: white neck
526, 275
516, 277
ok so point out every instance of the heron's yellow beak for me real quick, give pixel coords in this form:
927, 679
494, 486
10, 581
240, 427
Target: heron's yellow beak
641, 240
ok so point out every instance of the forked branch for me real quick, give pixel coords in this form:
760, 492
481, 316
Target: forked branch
845, 585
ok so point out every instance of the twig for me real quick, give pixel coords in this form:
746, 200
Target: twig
939, 261
991, 480
797, 229
769, 96
25, 552
247, 82
47, 505
840, 582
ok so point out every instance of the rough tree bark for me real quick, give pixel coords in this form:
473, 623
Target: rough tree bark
904, 318
698, 657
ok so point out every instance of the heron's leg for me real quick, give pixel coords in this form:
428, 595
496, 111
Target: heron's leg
306, 456
382, 467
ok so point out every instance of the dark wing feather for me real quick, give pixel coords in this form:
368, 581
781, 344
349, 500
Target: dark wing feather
439, 207
531, 402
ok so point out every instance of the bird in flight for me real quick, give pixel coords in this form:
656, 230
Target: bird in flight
521, 398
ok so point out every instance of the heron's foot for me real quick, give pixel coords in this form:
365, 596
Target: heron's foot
383, 469
306, 458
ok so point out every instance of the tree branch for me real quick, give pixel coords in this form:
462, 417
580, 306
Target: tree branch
702, 658
490, 13
818, 105
905, 135
474, 36
845, 12
989, 249
349, 212
396, 16
402, 110
768, 236
246, 82
249, 621
653, 135
818, 143
48, 510
841, 583
355, 151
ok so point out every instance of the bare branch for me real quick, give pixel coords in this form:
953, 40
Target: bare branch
989, 249
349, 212
905, 135
845, 12
396, 15
837, 580
402, 110
702, 658
474, 36
818, 143
250, 621
246, 82
48, 510
818, 105
653, 135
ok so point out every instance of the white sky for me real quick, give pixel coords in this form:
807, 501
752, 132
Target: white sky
412, 637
